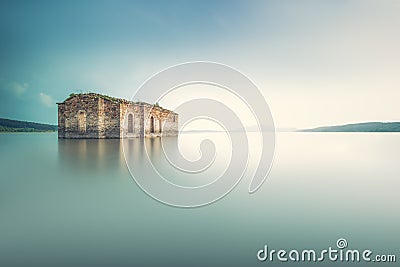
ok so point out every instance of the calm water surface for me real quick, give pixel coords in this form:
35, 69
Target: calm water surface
73, 203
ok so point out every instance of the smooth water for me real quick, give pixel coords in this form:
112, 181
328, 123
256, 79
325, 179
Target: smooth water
74, 203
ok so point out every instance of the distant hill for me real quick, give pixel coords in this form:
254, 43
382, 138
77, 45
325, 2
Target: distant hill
359, 127
7, 125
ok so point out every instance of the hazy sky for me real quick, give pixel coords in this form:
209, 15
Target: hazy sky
316, 62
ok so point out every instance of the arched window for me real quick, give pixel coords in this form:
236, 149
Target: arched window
82, 121
151, 124
160, 125
130, 123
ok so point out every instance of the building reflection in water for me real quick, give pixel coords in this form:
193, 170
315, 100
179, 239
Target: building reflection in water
138, 150
90, 155
108, 158
103, 155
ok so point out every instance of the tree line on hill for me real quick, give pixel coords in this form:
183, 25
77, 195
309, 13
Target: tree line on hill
7, 125
359, 127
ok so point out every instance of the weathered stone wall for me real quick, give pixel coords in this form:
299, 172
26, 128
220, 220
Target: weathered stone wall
96, 116
160, 121
111, 119
171, 125
148, 121
101, 119
137, 122
61, 120
70, 110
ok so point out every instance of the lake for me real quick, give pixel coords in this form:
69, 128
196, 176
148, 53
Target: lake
74, 203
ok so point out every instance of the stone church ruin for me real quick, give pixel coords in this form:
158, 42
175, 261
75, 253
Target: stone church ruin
94, 115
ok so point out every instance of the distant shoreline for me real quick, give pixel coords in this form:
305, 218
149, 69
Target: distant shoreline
16, 126
21, 132
365, 127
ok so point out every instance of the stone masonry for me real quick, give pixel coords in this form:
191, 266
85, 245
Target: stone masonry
94, 115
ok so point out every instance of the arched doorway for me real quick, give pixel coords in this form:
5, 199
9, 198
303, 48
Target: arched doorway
82, 121
152, 124
130, 123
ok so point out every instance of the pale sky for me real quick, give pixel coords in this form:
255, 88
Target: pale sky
316, 62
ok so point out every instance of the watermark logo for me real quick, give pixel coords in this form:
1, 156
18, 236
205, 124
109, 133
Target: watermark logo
158, 185
341, 243
340, 253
